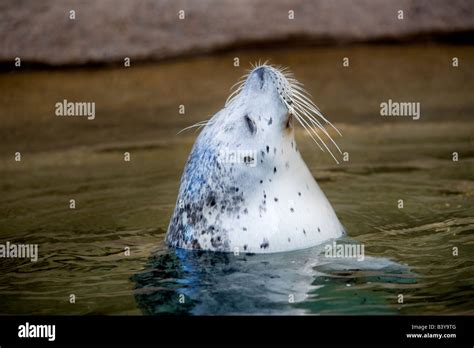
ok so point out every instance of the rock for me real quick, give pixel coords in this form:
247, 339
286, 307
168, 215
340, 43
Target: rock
106, 31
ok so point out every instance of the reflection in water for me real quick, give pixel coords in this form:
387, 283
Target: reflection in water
195, 282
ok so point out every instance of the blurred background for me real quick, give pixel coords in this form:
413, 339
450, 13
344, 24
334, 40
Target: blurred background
76, 50
80, 56
105, 31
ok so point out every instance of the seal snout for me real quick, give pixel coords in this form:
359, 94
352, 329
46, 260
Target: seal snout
258, 75
259, 72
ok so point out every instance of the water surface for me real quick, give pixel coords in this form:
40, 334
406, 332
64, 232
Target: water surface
128, 204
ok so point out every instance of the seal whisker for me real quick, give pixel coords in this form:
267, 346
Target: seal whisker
237, 88
231, 97
300, 88
315, 109
306, 129
235, 93
311, 106
322, 141
307, 101
307, 113
318, 124
302, 120
240, 82
197, 124
311, 128
308, 107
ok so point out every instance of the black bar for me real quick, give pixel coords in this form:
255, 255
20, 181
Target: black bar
134, 330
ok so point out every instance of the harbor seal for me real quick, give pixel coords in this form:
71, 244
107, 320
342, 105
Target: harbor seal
245, 187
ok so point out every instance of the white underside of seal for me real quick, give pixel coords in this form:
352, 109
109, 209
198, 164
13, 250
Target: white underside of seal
290, 212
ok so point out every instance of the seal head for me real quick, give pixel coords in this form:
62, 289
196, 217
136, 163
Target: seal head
245, 186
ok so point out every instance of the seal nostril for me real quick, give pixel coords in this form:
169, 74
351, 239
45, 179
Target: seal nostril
259, 72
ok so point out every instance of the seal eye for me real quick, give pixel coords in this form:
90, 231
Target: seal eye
289, 121
250, 124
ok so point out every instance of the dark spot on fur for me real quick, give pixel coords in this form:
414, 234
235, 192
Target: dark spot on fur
261, 181
264, 244
211, 200
276, 199
319, 230
292, 210
299, 193
245, 247
244, 228
274, 170
268, 149
270, 121
196, 244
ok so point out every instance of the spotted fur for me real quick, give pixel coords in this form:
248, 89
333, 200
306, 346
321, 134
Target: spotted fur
269, 200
